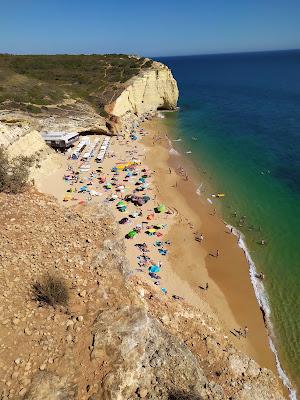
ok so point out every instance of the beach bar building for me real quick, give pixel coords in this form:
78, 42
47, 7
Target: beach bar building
60, 140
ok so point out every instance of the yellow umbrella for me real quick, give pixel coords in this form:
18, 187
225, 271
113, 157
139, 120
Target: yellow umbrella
151, 230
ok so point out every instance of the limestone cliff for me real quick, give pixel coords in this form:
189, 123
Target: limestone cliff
152, 89
20, 133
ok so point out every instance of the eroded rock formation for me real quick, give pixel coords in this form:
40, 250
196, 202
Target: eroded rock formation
152, 89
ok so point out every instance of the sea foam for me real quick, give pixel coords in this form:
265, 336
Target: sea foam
263, 302
174, 152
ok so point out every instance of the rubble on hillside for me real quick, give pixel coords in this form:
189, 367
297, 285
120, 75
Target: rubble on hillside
118, 338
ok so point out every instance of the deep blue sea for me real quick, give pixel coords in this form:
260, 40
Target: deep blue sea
240, 116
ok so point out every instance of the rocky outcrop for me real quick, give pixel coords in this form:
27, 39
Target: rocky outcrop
147, 361
120, 338
78, 117
153, 89
20, 133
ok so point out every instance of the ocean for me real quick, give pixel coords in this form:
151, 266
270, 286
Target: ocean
240, 116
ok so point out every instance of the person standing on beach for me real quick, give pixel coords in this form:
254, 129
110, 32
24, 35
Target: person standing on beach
246, 331
206, 286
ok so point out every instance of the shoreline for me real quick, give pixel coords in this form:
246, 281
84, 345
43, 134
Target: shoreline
187, 253
225, 289
257, 286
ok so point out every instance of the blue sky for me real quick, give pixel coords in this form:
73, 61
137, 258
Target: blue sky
148, 27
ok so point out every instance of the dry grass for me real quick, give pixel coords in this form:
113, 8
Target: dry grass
28, 82
52, 291
14, 173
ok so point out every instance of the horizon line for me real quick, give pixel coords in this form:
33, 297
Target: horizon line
230, 53
155, 56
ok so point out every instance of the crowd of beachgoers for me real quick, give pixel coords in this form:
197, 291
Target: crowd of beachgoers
183, 250
120, 180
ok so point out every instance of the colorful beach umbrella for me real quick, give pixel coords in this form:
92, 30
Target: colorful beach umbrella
151, 230
154, 269
131, 234
161, 208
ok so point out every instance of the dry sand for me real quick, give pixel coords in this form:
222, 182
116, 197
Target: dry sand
188, 264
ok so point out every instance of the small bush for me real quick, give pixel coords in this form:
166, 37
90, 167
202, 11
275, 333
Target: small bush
51, 291
14, 174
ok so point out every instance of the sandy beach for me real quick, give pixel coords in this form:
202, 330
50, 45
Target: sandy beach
230, 291
167, 239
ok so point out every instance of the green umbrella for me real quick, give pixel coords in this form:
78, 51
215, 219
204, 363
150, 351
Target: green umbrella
161, 208
131, 234
121, 204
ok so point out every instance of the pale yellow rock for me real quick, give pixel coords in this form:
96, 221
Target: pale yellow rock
152, 89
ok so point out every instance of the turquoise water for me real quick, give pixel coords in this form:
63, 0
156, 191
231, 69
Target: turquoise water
244, 112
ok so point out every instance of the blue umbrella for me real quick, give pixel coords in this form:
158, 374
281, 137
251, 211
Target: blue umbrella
154, 268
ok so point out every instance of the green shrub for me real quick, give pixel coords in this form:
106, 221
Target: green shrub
14, 174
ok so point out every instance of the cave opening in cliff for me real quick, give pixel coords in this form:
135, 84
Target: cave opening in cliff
92, 132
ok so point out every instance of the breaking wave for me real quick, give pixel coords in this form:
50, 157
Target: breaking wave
263, 302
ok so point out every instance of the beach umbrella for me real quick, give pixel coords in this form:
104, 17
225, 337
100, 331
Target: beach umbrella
146, 198
150, 217
121, 204
161, 208
123, 221
154, 268
151, 230
140, 201
157, 226
131, 234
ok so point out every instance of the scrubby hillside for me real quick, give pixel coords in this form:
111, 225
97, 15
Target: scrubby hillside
32, 82
115, 338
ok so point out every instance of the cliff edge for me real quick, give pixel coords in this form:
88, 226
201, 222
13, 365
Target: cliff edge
152, 89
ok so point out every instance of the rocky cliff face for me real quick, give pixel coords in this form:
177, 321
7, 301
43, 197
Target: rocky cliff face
20, 132
152, 89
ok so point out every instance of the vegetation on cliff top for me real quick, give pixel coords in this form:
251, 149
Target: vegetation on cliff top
14, 173
32, 82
